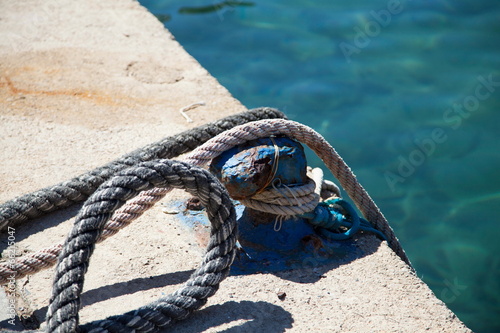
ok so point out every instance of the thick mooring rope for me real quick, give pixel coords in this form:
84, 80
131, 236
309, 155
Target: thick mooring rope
202, 155
123, 198
286, 201
41, 202
62, 315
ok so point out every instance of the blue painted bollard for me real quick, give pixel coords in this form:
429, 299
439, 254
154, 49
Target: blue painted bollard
269, 242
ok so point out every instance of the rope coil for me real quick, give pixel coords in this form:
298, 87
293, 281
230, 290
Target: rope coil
62, 315
277, 201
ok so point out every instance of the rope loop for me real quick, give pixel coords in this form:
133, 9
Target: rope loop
62, 315
33, 205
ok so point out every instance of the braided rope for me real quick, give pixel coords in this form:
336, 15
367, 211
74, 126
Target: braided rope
280, 197
31, 205
62, 315
63, 310
326, 189
284, 210
295, 199
265, 128
330, 189
41, 202
303, 198
132, 210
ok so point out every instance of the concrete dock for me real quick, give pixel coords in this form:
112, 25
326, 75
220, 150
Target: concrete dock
83, 83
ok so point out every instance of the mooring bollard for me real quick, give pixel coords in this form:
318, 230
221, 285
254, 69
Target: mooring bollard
270, 242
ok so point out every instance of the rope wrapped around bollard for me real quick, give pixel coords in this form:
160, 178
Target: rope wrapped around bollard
264, 128
201, 156
62, 315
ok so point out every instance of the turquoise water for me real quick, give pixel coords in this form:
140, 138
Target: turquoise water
408, 92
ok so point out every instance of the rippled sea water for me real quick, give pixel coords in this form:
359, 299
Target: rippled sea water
408, 92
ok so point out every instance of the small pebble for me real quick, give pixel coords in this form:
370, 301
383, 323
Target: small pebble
194, 204
170, 211
281, 295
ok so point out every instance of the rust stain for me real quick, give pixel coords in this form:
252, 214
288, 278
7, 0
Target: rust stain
202, 235
6, 81
92, 95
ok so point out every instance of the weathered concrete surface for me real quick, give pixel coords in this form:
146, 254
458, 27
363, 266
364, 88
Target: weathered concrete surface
82, 83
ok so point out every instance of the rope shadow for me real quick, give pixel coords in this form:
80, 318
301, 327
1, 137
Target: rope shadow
114, 290
257, 313
32, 227
129, 287
261, 317
265, 250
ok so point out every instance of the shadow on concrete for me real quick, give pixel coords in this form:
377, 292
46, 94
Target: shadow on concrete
110, 291
129, 287
31, 227
298, 252
258, 316
316, 266
313, 266
308, 262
